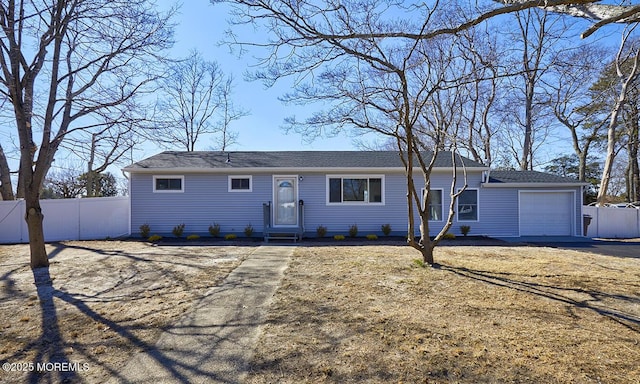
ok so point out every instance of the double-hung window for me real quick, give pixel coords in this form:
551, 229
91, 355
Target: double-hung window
355, 189
468, 205
168, 183
434, 207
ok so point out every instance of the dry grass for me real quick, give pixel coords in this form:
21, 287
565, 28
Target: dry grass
104, 301
344, 314
488, 314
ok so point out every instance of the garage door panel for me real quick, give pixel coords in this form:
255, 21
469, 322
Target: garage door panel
546, 213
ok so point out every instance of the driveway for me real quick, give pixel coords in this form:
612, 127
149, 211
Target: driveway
616, 248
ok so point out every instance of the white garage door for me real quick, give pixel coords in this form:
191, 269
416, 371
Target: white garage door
546, 213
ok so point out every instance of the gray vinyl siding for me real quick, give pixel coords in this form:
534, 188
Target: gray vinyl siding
206, 200
442, 180
499, 211
337, 218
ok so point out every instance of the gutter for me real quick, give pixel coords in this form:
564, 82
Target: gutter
180, 170
532, 185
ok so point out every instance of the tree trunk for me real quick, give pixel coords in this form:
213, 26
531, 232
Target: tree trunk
6, 187
20, 186
425, 240
427, 255
34, 219
613, 120
632, 175
426, 245
527, 152
608, 163
633, 189
90, 181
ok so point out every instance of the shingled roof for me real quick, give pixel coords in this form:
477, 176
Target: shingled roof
176, 160
529, 177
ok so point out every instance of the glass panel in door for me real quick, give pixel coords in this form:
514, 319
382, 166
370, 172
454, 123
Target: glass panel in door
285, 208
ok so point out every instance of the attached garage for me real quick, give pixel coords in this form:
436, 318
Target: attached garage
547, 213
540, 204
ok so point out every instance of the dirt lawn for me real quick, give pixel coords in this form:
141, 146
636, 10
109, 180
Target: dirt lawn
345, 314
105, 301
487, 315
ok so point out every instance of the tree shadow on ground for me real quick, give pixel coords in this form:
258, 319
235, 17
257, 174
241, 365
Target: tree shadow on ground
589, 299
50, 346
62, 358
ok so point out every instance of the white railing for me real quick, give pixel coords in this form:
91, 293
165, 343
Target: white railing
68, 219
613, 222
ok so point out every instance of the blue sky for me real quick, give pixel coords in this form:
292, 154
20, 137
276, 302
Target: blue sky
201, 26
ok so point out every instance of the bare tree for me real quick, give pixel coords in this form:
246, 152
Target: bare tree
63, 184
229, 113
104, 147
402, 89
61, 64
378, 74
6, 186
536, 37
627, 75
631, 120
578, 104
603, 14
481, 53
196, 103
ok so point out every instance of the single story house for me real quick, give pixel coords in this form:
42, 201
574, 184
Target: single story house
295, 192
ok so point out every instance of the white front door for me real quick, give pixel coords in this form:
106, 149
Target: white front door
285, 195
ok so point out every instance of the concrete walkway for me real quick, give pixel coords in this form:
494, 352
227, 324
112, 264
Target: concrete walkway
214, 343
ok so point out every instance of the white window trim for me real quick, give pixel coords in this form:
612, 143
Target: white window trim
422, 190
231, 177
477, 206
181, 177
350, 176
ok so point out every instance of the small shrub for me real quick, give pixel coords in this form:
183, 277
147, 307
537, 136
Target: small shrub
321, 231
418, 263
449, 236
214, 229
193, 237
230, 236
145, 229
178, 230
155, 238
386, 229
248, 230
372, 237
353, 230
338, 237
465, 229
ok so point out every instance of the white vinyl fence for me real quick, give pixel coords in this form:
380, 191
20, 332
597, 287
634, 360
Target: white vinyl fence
613, 222
68, 219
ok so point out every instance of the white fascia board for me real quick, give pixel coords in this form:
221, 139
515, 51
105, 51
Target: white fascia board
278, 170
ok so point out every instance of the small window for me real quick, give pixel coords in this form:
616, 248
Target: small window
434, 208
168, 184
353, 190
435, 205
468, 205
240, 184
